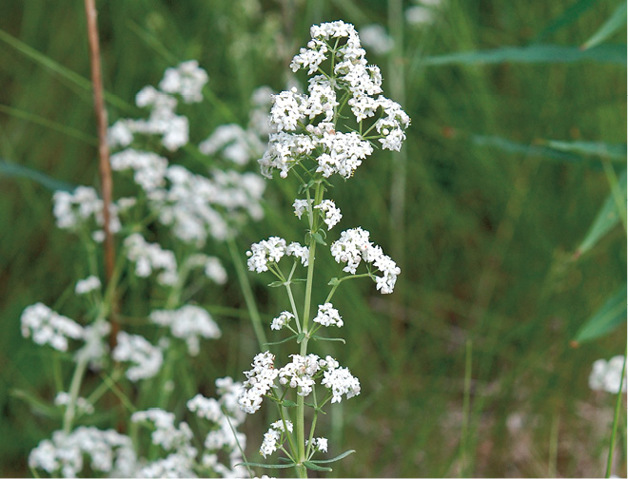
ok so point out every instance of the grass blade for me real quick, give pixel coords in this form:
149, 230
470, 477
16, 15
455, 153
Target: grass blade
616, 21
611, 315
72, 77
612, 151
58, 127
532, 54
606, 219
569, 16
15, 170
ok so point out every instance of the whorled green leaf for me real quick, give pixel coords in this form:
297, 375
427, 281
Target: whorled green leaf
616, 21
316, 467
532, 54
334, 459
282, 341
610, 316
14, 170
606, 219
265, 466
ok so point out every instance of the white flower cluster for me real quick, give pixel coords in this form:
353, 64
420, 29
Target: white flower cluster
258, 382
187, 80
353, 246
145, 358
299, 374
95, 351
83, 406
282, 320
87, 285
328, 316
149, 168
272, 438
49, 327
606, 375
271, 251
301, 206
64, 455
74, 209
188, 323
235, 144
318, 443
331, 213
227, 416
176, 440
211, 265
149, 257
294, 116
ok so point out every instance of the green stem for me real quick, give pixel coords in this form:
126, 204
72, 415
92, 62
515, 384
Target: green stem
75, 386
609, 462
465, 408
256, 320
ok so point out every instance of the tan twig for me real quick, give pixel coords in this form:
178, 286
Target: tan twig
103, 153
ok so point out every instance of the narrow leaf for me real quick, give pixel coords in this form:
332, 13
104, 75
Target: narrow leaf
616, 21
266, 466
606, 219
337, 458
72, 77
276, 284
570, 15
615, 151
315, 467
322, 338
282, 341
15, 170
532, 54
610, 316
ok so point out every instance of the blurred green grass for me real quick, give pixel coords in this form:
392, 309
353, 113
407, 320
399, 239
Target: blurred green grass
488, 233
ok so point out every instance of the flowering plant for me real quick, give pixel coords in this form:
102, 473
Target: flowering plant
329, 130
163, 231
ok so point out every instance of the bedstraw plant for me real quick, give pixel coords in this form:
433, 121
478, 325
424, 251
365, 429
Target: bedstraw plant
330, 130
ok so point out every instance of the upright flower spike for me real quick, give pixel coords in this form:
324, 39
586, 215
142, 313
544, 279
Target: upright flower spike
331, 129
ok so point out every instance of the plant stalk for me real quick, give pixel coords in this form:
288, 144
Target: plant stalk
106, 182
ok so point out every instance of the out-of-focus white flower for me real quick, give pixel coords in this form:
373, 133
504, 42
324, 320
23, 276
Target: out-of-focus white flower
108, 452
187, 80
149, 168
74, 209
419, 15
48, 327
96, 350
606, 375
145, 358
87, 285
375, 37
188, 323
83, 406
149, 257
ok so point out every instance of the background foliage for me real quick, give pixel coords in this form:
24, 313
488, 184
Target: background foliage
486, 235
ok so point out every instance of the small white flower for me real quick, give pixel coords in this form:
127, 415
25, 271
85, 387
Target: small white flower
298, 374
188, 323
149, 257
328, 316
83, 406
331, 214
145, 358
87, 285
299, 251
340, 381
259, 381
270, 443
265, 252
48, 327
319, 444
282, 320
301, 206
186, 80
606, 375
